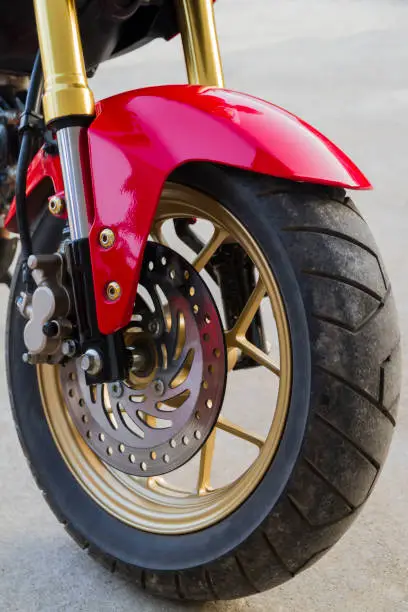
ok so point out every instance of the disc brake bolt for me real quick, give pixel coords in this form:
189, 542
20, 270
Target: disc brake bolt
116, 389
91, 362
68, 348
158, 387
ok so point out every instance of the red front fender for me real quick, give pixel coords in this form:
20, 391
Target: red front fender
139, 138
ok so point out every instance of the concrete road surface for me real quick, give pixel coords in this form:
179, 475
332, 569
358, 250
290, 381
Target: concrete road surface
342, 65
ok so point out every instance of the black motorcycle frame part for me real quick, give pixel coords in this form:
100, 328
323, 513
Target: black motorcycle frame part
8, 247
12, 101
108, 28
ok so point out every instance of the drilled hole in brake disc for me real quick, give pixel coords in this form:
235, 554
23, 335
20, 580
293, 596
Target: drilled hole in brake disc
162, 413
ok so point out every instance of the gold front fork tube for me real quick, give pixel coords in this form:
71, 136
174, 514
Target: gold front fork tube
200, 42
66, 90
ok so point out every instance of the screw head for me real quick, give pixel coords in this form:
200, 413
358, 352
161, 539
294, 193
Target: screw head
113, 291
116, 389
158, 387
32, 262
56, 205
51, 329
154, 327
107, 238
68, 348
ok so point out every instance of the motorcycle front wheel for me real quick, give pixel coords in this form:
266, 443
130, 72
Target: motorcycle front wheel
303, 432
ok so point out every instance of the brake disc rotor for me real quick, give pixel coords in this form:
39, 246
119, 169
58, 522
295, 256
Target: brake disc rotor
161, 415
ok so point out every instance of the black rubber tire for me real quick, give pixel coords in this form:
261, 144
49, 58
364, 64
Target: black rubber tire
346, 382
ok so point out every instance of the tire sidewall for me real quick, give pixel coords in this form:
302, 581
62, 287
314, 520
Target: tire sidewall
69, 500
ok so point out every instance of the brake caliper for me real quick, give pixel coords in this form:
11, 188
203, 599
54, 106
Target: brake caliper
47, 311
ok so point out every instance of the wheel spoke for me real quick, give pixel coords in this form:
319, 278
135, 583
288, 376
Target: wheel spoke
235, 338
157, 232
206, 459
249, 311
257, 355
233, 354
208, 251
150, 483
238, 431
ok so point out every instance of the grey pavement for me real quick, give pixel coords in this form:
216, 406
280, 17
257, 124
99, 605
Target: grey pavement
343, 66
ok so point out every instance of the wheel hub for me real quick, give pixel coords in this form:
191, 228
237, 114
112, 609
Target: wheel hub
161, 415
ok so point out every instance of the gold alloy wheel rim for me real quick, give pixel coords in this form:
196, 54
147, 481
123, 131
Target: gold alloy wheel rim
151, 504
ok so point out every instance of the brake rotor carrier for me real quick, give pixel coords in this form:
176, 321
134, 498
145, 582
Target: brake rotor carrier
161, 415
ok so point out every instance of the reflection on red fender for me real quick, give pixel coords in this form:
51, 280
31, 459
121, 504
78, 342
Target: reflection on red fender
137, 140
